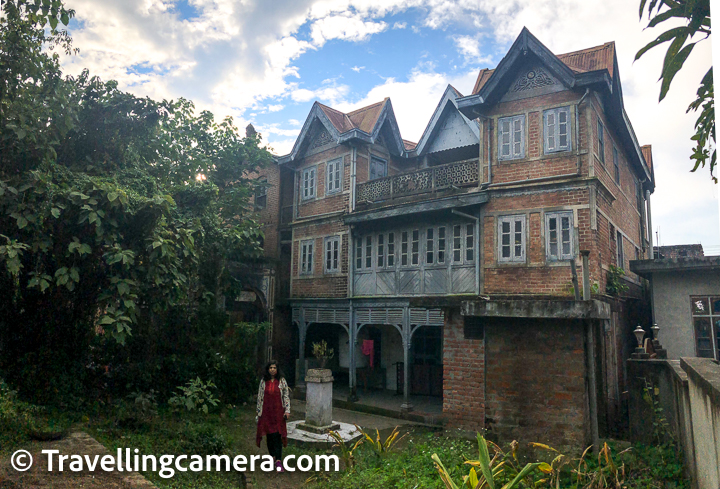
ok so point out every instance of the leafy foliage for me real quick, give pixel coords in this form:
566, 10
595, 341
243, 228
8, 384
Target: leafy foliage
195, 395
614, 284
120, 215
695, 14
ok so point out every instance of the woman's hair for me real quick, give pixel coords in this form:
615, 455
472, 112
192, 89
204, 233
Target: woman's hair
266, 372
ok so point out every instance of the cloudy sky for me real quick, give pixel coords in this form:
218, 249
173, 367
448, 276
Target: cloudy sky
266, 61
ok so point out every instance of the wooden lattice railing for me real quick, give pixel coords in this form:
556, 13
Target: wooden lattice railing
426, 180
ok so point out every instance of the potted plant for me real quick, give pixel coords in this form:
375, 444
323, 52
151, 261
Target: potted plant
322, 353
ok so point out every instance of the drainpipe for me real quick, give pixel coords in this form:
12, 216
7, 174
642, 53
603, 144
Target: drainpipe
592, 386
353, 175
577, 129
586, 274
477, 244
649, 218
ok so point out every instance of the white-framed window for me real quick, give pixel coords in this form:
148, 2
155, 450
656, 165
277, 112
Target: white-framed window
391, 250
381, 250
415, 250
309, 182
463, 240
511, 137
368, 251
601, 142
358, 254
332, 254
334, 176
557, 130
511, 239
559, 236
706, 323
430, 246
441, 245
378, 168
306, 257
404, 249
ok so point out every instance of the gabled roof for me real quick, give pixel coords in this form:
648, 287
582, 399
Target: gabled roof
363, 124
447, 102
594, 68
591, 59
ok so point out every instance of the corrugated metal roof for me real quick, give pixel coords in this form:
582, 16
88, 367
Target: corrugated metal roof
591, 59
647, 154
409, 145
364, 118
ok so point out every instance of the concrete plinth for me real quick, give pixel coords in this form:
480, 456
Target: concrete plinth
318, 398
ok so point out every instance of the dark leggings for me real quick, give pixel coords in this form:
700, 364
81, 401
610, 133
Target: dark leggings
275, 445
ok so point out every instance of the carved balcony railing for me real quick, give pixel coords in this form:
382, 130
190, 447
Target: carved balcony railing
456, 174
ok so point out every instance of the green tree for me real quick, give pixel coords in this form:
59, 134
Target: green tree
117, 213
695, 15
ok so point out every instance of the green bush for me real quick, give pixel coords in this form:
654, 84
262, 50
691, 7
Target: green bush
15, 416
203, 440
195, 395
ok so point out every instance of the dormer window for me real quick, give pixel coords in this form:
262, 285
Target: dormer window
511, 137
557, 130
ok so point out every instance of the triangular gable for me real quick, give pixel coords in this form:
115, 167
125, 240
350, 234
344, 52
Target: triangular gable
508, 69
325, 124
448, 128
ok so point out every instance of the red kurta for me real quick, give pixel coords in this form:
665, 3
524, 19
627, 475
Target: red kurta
272, 419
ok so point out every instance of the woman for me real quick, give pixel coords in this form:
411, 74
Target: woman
273, 410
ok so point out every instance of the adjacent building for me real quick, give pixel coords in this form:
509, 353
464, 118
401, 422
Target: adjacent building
452, 267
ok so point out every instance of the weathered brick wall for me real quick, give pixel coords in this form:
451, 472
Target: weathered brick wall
536, 164
535, 378
319, 283
463, 376
323, 203
537, 275
269, 217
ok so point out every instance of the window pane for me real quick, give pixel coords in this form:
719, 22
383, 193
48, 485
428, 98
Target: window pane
391, 250
518, 238
358, 254
715, 305
430, 246
565, 222
506, 239
552, 236
415, 246
336, 253
550, 130
457, 243
700, 306
381, 250
469, 242
404, 248
703, 337
368, 252
328, 255
441, 245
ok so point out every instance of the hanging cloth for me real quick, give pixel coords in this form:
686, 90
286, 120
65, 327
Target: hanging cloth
368, 349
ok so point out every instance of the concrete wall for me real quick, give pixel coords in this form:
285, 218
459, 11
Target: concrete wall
704, 390
688, 391
671, 302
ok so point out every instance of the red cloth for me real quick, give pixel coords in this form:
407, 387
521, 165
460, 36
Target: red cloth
272, 419
368, 348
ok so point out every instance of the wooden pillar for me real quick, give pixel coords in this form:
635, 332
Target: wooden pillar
406, 406
302, 330
352, 332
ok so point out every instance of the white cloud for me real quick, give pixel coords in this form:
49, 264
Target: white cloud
471, 49
399, 25
275, 108
357, 69
346, 27
293, 122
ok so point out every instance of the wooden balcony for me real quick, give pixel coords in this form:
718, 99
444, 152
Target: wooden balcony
457, 174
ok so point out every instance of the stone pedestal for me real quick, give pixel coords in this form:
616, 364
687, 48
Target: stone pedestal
318, 402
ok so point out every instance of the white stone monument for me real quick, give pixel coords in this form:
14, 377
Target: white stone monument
318, 402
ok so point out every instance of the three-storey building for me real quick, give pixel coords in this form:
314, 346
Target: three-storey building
452, 267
